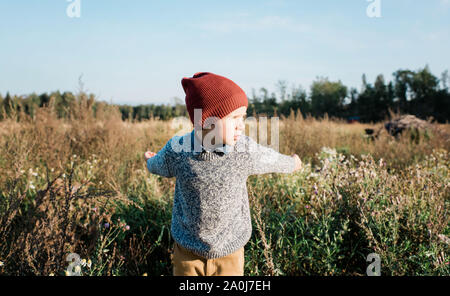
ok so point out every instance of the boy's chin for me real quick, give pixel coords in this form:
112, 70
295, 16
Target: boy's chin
230, 142
233, 140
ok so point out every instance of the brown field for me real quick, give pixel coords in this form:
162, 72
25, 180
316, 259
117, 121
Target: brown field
45, 215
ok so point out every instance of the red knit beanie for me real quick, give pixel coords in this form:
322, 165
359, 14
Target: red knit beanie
216, 95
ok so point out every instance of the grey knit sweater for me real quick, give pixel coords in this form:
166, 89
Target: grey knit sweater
211, 215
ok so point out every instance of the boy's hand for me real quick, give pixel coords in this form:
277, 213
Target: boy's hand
298, 162
149, 154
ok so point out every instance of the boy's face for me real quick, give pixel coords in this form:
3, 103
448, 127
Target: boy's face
227, 130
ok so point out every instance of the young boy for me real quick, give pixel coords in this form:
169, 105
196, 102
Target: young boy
211, 220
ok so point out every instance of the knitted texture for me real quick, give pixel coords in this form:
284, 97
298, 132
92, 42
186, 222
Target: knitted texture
215, 95
211, 215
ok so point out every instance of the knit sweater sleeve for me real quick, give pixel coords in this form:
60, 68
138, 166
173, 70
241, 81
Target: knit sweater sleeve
263, 160
162, 164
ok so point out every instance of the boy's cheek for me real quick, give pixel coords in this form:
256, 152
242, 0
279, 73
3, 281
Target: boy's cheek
229, 130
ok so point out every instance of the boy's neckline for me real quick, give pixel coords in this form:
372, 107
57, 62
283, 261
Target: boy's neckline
222, 149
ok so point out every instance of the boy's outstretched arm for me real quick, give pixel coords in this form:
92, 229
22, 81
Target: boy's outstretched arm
265, 160
160, 163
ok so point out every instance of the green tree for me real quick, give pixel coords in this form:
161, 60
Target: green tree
402, 80
380, 99
424, 87
327, 97
8, 104
1, 107
423, 84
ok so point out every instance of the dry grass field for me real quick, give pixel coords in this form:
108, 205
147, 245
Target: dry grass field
80, 185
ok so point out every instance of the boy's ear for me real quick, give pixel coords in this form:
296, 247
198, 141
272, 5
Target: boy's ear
208, 129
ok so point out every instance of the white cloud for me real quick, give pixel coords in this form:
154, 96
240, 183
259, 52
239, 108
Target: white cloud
283, 23
261, 24
439, 36
275, 3
445, 3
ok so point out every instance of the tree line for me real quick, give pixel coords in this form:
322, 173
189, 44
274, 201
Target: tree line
414, 92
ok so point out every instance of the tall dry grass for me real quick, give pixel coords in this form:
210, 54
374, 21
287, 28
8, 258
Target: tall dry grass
306, 137
80, 185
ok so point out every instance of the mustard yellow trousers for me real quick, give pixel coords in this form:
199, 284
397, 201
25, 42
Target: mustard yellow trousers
185, 262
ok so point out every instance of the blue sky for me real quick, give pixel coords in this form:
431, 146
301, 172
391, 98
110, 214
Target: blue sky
137, 51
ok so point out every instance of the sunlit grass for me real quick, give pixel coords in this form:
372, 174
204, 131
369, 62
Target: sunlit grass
81, 186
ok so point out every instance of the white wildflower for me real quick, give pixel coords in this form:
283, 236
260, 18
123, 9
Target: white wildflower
77, 269
444, 238
329, 151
